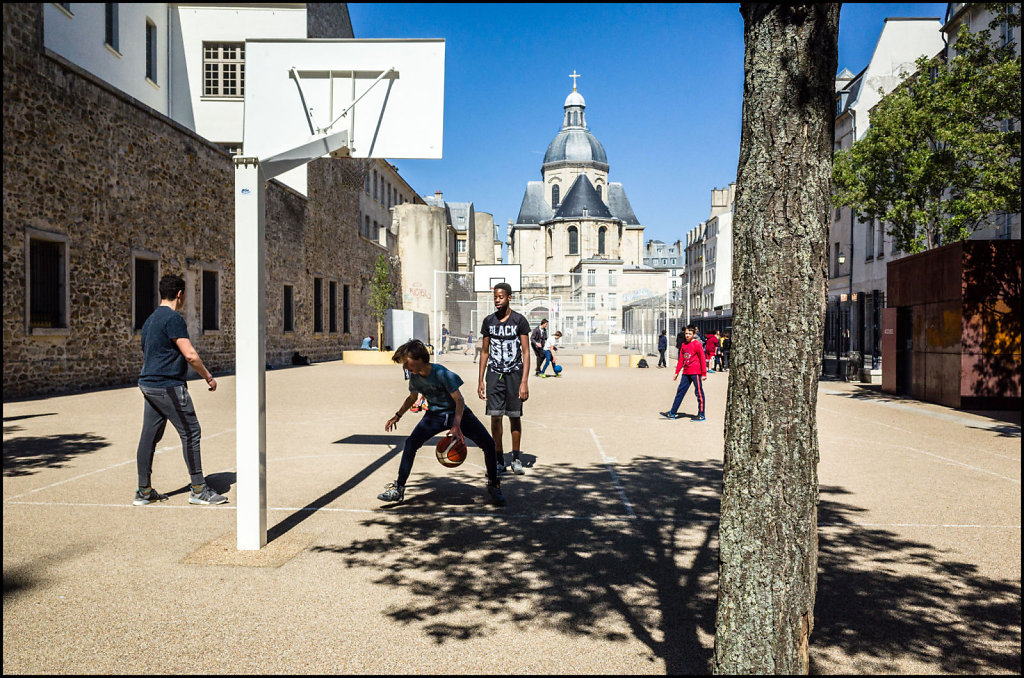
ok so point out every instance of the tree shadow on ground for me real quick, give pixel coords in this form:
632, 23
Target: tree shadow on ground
566, 555
28, 455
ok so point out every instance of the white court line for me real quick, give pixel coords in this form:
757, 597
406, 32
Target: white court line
965, 421
953, 462
498, 514
112, 466
622, 492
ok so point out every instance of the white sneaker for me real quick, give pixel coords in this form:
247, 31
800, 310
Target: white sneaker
517, 467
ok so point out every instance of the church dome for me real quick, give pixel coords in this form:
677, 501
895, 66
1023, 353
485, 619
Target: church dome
574, 99
575, 144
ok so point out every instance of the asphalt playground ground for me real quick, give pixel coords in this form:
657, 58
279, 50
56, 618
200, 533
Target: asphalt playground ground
604, 560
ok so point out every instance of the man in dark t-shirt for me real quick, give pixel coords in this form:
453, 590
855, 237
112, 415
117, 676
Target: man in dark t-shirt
166, 354
503, 376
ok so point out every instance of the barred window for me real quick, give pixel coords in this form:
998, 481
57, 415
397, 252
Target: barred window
224, 69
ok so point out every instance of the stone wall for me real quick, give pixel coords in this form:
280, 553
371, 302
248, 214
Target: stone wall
86, 162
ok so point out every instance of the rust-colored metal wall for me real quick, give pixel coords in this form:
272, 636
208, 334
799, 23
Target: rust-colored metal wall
962, 313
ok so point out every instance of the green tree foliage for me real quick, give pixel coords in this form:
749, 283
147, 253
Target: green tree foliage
943, 150
382, 293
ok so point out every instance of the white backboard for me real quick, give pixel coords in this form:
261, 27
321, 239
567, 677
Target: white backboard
401, 116
486, 276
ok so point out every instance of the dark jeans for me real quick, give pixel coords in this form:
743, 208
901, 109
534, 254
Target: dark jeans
661, 360
722, 358
684, 384
539, 354
433, 423
547, 361
172, 404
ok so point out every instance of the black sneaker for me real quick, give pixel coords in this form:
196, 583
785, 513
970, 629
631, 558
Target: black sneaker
393, 493
501, 463
497, 496
206, 496
149, 498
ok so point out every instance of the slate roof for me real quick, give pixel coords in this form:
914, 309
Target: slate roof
535, 207
619, 205
582, 195
463, 210
575, 144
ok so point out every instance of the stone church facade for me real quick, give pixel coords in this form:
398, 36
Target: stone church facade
577, 231
103, 195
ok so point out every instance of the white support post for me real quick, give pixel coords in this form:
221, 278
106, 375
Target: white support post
250, 355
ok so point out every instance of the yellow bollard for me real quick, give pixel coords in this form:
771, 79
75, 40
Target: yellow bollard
634, 360
589, 360
611, 360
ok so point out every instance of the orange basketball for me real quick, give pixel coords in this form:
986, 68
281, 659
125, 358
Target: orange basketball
450, 452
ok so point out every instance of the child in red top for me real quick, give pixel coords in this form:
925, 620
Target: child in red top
694, 366
712, 347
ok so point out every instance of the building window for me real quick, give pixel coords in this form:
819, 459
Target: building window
612, 301
611, 278
460, 246
599, 194
110, 24
366, 226
344, 310
590, 301
574, 240
211, 301
375, 233
289, 309
601, 234
145, 291
224, 69
554, 196
332, 306
318, 305
835, 260
591, 277
47, 282
374, 184
151, 50
367, 183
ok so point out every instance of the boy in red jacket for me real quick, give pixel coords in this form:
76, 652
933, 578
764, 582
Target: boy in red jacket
694, 366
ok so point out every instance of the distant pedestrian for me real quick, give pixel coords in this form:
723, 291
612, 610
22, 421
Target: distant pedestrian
469, 343
724, 350
693, 364
478, 347
711, 348
662, 347
166, 355
445, 334
550, 348
537, 340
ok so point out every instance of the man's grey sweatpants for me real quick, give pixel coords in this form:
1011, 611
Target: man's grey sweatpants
172, 404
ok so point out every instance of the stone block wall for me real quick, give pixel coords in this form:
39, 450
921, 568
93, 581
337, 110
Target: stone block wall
88, 163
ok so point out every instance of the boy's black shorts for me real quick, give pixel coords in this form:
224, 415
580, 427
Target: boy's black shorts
503, 393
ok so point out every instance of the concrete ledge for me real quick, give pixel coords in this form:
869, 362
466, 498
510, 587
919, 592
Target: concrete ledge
367, 357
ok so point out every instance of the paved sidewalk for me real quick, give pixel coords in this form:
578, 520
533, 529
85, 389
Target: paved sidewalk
604, 561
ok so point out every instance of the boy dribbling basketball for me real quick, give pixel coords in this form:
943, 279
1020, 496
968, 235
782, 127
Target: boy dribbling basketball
503, 376
446, 410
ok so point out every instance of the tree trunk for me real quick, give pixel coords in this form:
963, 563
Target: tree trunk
768, 536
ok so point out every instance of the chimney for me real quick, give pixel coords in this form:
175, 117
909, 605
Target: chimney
438, 194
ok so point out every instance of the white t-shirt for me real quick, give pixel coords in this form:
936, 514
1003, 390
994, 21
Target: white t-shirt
549, 344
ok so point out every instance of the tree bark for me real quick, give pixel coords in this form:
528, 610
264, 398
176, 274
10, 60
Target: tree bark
768, 535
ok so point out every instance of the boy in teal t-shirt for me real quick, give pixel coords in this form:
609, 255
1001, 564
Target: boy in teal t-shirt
447, 410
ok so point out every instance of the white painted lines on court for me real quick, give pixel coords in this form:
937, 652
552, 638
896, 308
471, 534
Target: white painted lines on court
615, 477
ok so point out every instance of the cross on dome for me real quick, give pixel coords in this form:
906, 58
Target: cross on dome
574, 76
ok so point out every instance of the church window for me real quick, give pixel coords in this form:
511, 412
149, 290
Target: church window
601, 236
554, 196
151, 50
332, 306
599, 194
110, 24
223, 69
211, 301
47, 281
574, 240
288, 310
318, 305
145, 291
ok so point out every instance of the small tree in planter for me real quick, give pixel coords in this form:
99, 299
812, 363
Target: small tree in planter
382, 293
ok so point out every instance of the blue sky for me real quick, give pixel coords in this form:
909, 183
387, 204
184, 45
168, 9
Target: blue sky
663, 85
